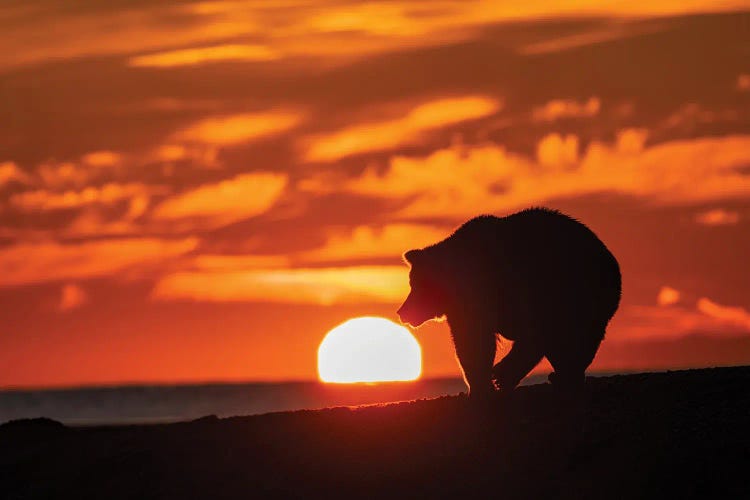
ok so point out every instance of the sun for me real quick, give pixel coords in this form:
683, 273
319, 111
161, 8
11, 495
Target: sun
369, 349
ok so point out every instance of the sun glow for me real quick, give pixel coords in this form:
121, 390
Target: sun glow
369, 349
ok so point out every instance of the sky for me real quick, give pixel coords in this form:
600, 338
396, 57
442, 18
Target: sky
199, 191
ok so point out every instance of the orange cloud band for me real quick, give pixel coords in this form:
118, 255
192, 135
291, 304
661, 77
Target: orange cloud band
461, 181
324, 286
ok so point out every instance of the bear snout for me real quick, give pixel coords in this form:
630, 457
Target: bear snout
411, 319
404, 316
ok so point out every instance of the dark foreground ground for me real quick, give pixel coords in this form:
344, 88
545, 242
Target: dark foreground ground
659, 435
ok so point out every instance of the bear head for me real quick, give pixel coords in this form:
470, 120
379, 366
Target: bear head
426, 300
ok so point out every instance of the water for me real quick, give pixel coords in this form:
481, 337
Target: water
171, 403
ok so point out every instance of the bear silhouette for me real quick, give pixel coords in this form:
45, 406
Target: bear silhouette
537, 277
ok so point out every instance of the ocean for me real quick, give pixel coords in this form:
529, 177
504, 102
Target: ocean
136, 404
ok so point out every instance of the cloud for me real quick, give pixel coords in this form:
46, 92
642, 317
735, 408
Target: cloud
27, 263
137, 207
210, 262
239, 128
460, 181
241, 197
322, 286
59, 175
615, 29
637, 322
102, 158
738, 316
451, 181
688, 117
630, 141
298, 28
369, 17
677, 317
555, 150
67, 174
94, 222
718, 217
98, 218
269, 278
72, 297
9, 172
196, 154
668, 296
743, 83
202, 55
364, 242
170, 152
408, 129
45, 200
566, 108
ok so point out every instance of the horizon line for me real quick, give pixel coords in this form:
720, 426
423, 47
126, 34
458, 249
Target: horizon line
238, 382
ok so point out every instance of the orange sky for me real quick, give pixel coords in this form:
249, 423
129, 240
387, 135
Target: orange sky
198, 191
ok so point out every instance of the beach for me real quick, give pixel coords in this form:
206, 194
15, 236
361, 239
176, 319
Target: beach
652, 435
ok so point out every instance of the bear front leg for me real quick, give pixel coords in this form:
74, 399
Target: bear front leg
521, 359
475, 350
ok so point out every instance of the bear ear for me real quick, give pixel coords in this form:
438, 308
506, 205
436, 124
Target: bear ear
412, 256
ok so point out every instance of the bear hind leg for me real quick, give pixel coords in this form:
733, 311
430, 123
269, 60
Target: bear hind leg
571, 358
521, 359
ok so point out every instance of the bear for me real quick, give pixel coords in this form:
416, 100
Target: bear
537, 277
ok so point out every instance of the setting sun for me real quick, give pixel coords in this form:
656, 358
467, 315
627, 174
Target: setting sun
369, 349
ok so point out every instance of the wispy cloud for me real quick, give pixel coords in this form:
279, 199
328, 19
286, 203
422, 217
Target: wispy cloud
10, 172
557, 109
324, 286
219, 262
45, 200
300, 28
364, 242
731, 314
102, 158
406, 129
692, 115
221, 203
72, 296
239, 128
202, 55
98, 221
273, 278
718, 217
77, 174
615, 30
637, 322
28, 263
